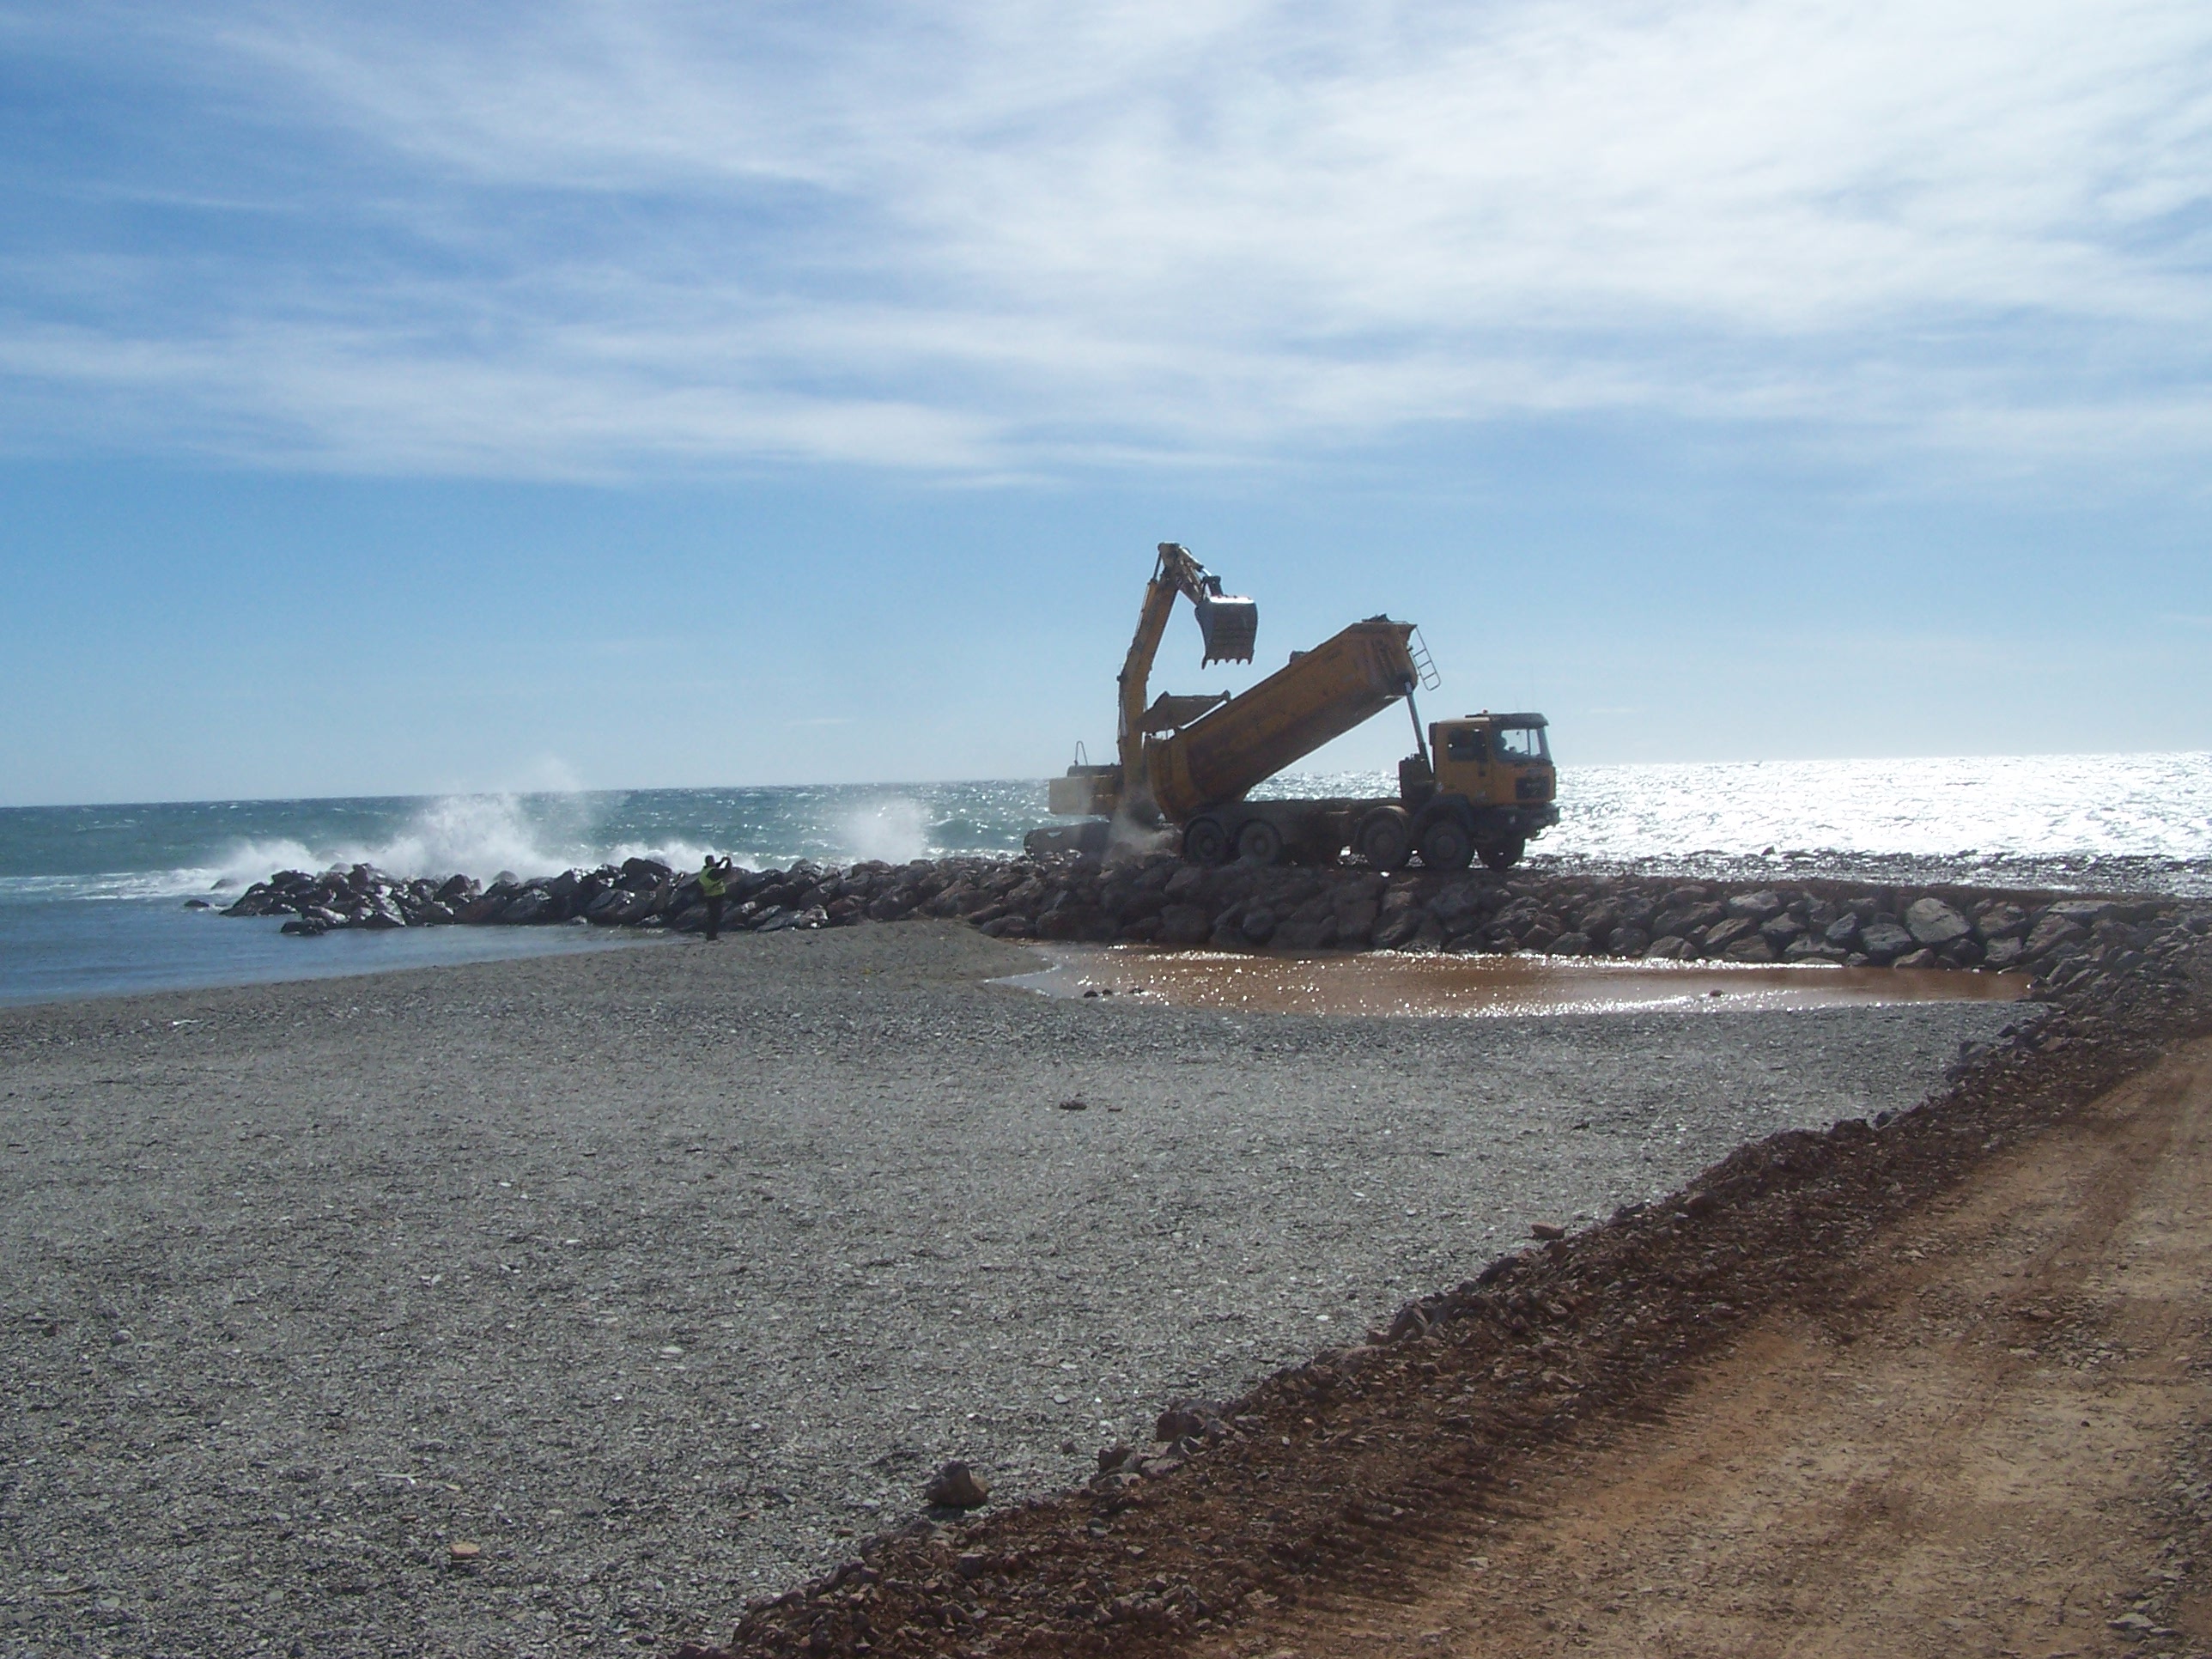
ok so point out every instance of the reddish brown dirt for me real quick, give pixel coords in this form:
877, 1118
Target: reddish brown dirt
1967, 1454
1904, 1388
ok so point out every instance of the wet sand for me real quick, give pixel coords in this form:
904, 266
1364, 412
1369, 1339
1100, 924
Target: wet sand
1382, 984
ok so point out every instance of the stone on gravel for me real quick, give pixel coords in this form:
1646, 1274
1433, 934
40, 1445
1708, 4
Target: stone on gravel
957, 1486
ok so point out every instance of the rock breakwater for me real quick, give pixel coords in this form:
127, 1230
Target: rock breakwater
1160, 900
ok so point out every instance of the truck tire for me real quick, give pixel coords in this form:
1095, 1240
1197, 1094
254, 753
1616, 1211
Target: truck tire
1259, 842
1445, 846
1386, 839
1205, 841
1503, 854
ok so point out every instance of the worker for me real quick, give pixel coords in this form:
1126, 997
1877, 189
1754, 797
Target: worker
713, 887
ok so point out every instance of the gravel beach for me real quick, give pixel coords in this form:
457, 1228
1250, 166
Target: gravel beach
662, 1275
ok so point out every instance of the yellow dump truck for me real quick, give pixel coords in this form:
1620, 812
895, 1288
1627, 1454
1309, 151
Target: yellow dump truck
1482, 785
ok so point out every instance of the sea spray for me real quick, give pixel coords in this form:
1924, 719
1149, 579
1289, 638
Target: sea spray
891, 830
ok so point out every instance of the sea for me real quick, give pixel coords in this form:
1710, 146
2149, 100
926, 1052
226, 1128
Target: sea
94, 899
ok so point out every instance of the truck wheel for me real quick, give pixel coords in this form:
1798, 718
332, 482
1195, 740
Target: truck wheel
1205, 841
1444, 845
1505, 854
1386, 840
1259, 842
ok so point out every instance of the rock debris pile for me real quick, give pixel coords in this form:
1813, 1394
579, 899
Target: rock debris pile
1160, 900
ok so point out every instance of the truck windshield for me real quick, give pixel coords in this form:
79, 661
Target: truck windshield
1523, 743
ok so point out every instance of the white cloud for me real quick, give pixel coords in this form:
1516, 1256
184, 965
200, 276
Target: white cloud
985, 237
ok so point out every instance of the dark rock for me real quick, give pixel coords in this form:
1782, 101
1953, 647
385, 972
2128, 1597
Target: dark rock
1756, 907
1843, 932
2083, 913
1355, 923
1570, 945
1932, 922
1673, 918
957, 1486
1780, 931
1885, 941
1458, 907
1754, 948
1923, 958
2004, 952
1314, 935
1186, 1419
531, 904
1812, 947
1628, 941
1729, 932
2053, 935
1396, 931
1184, 924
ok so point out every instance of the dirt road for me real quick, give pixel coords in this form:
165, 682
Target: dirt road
1986, 1445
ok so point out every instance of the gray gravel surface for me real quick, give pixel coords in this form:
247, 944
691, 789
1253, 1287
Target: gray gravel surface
664, 1274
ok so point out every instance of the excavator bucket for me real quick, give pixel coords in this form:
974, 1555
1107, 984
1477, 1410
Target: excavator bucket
1231, 626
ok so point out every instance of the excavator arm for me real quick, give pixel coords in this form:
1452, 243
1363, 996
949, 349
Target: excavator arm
1230, 626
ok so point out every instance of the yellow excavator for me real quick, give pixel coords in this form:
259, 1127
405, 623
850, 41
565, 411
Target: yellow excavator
1481, 786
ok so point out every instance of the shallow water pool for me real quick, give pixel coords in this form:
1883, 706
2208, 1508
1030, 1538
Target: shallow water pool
1386, 983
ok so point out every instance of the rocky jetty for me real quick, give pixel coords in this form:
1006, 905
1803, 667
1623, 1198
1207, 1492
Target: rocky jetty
1160, 900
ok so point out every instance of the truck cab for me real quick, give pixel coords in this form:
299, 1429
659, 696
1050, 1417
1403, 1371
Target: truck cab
1494, 760
1485, 788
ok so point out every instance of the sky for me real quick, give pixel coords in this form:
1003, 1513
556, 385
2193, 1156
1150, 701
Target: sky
397, 398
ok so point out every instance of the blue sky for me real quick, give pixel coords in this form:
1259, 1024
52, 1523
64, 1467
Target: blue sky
400, 399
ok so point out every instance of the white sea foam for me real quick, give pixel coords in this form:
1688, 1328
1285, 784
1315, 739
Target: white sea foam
894, 829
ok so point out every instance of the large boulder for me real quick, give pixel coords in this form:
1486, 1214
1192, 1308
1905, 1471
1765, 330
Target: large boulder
1398, 928
2052, 936
1458, 908
1885, 941
1933, 923
531, 904
2083, 913
1728, 933
1756, 906
1313, 935
1780, 930
1184, 924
